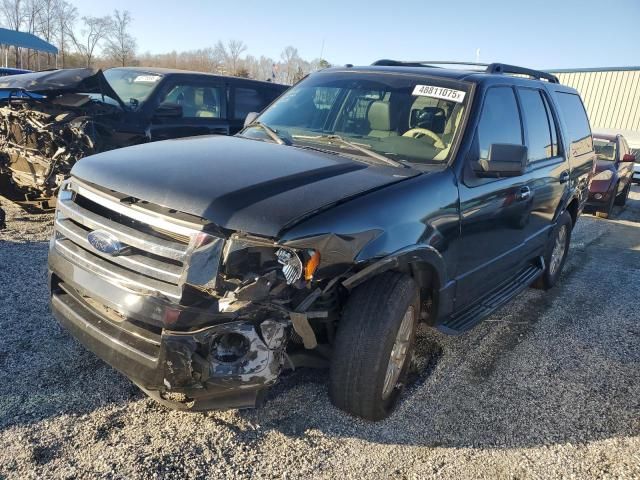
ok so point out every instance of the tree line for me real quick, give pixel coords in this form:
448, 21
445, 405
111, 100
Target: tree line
107, 41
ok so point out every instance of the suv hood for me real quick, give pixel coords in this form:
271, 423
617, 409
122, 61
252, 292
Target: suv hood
55, 82
238, 184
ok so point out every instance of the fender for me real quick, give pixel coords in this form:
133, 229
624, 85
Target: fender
412, 255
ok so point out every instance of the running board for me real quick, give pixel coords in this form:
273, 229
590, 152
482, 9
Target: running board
468, 318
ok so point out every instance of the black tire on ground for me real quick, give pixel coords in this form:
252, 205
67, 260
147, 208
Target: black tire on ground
549, 278
606, 213
365, 339
621, 200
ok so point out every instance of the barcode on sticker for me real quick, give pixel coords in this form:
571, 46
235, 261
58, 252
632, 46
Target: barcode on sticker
439, 92
147, 78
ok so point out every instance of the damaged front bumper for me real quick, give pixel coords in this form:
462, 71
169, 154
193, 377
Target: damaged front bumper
229, 363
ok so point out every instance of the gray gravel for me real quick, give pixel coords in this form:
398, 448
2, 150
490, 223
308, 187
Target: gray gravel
549, 387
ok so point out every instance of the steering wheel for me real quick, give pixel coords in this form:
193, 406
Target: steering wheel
421, 132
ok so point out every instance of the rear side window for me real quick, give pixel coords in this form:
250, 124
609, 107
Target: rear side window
539, 125
252, 100
499, 121
577, 122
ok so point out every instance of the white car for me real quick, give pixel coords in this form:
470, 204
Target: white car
636, 168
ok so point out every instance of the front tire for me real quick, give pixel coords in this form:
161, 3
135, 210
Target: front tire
621, 200
374, 345
606, 213
556, 254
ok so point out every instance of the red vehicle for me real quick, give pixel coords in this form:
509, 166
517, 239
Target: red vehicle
613, 176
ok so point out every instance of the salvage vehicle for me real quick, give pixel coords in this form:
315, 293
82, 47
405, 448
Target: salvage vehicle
51, 119
614, 172
363, 201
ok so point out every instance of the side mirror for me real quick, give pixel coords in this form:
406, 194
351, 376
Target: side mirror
505, 160
628, 158
168, 110
250, 118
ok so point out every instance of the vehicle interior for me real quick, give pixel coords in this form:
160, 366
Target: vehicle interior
391, 121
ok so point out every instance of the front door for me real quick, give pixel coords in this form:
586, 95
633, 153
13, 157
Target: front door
204, 110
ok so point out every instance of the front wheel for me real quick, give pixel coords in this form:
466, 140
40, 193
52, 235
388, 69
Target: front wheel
621, 200
374, 345
556, 253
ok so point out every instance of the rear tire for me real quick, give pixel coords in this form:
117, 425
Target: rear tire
556, 252
374, 345
621, 200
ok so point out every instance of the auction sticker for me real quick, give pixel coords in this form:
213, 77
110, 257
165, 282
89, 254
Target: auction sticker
147, 78
439, 92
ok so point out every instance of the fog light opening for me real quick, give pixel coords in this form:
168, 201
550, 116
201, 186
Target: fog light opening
598, 196
229, 347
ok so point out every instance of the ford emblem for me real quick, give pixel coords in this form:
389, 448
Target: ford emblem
106, 243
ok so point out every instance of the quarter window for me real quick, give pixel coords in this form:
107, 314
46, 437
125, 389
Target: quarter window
499, 122
539, 141
577, 123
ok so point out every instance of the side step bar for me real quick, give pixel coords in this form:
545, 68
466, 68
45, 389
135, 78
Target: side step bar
468, 318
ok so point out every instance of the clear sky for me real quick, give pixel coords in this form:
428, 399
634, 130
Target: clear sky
538, 34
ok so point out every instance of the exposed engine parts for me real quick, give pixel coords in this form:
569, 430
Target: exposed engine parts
40, 141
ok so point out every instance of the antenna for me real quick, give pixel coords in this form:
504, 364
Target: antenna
477, 55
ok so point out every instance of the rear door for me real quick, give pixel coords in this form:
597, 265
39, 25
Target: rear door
204, 108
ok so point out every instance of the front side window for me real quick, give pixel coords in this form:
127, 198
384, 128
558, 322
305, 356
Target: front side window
197, 100
577, 122
605, 149
499, 121
404, 118
538, 123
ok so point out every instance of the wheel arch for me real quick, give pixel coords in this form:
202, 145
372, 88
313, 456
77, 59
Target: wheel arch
423, 263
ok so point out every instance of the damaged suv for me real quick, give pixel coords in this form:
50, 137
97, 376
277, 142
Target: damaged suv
363, 201
49, 120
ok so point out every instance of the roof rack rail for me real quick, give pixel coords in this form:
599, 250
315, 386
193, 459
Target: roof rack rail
504, 68
499, 68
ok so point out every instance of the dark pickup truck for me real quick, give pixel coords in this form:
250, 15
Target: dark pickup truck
49, 120
363, 201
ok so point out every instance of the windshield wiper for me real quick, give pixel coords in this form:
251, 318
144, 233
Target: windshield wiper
271, 132
356, 146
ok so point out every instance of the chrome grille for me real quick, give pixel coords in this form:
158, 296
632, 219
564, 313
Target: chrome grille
159, 248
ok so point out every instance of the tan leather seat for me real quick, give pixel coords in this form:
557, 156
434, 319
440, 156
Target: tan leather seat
380, 120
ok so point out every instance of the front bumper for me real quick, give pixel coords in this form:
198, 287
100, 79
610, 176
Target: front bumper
176, 367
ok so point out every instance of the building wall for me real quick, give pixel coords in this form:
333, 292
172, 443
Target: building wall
611, 96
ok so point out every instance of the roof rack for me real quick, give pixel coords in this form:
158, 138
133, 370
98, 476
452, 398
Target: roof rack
496, 68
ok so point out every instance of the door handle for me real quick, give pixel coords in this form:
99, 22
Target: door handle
564, 177
523, 194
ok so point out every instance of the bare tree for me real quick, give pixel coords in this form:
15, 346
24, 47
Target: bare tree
230, 54
290, 59
65, 16
47, 23
95, 30
13, 13
121, 46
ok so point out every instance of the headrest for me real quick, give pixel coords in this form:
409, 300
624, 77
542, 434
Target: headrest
379, 117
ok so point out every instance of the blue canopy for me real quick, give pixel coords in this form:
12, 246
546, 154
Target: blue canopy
25, 40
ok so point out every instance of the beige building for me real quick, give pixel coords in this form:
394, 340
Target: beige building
611, 97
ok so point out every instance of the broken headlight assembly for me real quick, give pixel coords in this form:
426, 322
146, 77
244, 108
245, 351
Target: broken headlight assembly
248, 259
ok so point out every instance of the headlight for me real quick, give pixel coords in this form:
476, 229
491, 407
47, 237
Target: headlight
295, 263
604, 175
291, 265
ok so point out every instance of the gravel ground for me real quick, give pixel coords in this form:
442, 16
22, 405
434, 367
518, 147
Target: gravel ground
548, 387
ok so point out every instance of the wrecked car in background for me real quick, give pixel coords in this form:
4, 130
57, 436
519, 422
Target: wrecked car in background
49, 120
362, 201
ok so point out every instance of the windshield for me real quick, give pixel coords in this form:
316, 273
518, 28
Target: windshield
401, 117
132, 86
605, 149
